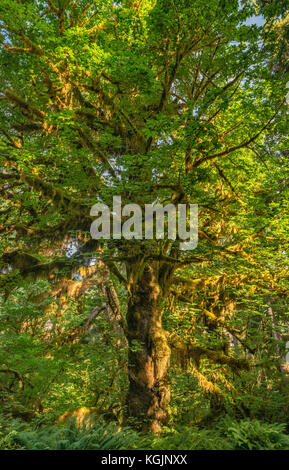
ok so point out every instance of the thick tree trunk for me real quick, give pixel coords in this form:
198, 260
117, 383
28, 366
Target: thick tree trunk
149, 355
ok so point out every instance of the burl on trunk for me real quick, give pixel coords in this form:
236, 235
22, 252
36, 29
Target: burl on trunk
149, 354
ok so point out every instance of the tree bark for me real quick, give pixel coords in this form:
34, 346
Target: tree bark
149, 355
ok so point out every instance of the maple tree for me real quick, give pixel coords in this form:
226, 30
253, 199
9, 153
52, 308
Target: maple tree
168, 100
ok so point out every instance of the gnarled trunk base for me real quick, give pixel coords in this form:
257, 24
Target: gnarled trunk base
149, 356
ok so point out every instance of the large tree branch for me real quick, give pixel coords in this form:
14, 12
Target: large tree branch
243, 144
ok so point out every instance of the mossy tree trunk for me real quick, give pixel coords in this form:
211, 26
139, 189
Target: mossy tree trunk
149, 354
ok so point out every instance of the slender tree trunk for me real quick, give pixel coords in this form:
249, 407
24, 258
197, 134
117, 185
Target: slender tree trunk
149, 355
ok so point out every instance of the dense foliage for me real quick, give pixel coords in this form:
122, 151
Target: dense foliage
104, 344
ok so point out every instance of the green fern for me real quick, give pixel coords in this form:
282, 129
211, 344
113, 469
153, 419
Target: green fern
255, 435
87, 436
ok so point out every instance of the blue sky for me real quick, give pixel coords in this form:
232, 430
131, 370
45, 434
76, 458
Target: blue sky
258, 20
